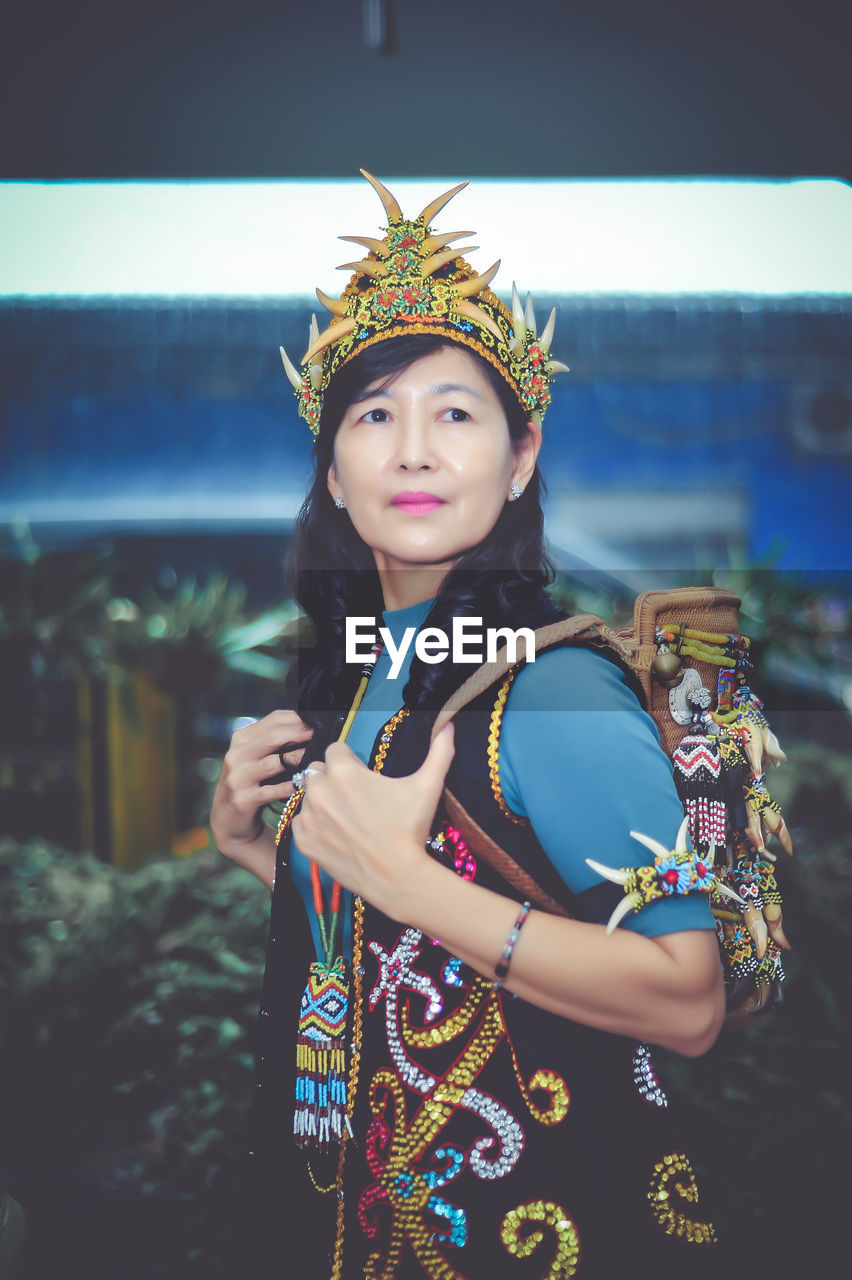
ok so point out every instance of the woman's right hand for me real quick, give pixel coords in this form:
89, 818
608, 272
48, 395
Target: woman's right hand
244, 788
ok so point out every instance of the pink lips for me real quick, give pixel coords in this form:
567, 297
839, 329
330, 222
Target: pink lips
417, 504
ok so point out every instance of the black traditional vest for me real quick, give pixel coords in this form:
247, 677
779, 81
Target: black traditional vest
491, 1138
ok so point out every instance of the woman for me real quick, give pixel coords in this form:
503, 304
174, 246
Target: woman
501, 1117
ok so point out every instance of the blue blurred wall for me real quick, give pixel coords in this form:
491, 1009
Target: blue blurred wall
690, 431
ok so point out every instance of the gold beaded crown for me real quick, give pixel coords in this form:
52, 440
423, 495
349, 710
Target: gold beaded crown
410, 282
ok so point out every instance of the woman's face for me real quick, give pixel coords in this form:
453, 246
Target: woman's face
424, 463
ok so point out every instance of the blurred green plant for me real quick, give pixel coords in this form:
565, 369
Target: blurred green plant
62, 609
127, 1006
127, 1003
803, 626
54, 610
192, 638
62, 620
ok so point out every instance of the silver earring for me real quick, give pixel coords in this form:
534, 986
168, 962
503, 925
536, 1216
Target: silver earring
339, 503
516, 492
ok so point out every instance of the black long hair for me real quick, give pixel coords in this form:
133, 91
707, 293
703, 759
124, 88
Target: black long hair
332, 573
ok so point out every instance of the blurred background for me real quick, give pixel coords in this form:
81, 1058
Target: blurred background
675, 181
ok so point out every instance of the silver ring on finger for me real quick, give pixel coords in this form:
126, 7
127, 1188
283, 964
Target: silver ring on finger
300, 778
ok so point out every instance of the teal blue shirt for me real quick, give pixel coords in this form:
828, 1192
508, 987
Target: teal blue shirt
578, 757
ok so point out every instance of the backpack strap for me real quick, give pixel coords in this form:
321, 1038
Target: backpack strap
582, 629
486, 848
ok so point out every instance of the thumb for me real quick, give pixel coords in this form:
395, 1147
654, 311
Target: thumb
338, 753
439, 757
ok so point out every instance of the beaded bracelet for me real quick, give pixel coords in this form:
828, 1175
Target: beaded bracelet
501, 969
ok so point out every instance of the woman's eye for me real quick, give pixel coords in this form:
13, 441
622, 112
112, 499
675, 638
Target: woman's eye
376, 415
458, 415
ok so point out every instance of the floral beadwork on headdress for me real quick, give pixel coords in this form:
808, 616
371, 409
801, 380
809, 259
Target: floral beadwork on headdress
410, 282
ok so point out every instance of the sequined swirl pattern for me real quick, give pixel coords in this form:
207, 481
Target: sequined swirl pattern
672, 1184
521, 1242
409, 1151
645, 1077
404, 1160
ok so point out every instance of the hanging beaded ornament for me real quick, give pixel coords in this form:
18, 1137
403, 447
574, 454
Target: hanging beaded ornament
410, 282
719, 771
320, 1116
698, 779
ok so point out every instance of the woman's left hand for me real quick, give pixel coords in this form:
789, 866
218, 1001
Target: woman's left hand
369, 831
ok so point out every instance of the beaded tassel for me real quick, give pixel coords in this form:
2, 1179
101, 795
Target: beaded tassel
698, 778
719, 772
320, 1114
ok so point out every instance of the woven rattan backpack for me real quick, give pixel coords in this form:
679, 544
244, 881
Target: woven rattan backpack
692, 664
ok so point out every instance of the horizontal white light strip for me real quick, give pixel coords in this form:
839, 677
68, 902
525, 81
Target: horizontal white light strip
587, 531
151, 509
273, 239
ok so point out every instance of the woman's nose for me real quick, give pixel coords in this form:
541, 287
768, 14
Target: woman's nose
415, 448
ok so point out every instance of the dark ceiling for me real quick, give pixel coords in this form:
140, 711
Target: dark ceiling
578, 88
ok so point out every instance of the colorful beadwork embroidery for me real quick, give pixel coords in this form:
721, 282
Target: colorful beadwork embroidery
451, 973
671, 1177
386, 737
550, 1083
410, 1188
404, 1185
697, 775
673, 872
510, 1135
741, 955
320, 1114
396, 971
452, 849
645, 1077
449, 1027
549, 1214
354, 1073
738, 947
287, 814
404, 1155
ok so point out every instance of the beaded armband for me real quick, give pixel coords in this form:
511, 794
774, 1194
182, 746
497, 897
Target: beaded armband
673, 872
